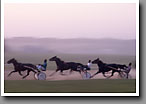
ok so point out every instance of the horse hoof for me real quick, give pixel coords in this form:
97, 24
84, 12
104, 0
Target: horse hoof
23, 77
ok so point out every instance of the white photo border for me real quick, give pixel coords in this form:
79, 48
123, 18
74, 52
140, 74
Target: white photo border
69, 1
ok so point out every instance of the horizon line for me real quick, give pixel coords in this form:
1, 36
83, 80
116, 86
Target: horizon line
67, 38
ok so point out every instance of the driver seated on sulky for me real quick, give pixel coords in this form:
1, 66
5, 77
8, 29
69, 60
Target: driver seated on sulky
128, 69
88, 66
42, 67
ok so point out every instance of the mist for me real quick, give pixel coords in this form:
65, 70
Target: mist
107, 46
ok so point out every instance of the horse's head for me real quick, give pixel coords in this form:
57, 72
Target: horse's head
53, 58
11, 61
95, 61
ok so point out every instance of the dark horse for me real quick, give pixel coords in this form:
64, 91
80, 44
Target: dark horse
61, 65
18, 67
103, 67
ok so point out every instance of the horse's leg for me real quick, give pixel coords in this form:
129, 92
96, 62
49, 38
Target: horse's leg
104, 74
80, 71
11, 72
95, 74
75, 69
28, 71
33, 71
127, 75
113, 71
70, 71
61, 72
20, 73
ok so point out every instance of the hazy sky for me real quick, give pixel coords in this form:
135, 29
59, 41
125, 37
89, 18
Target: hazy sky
70, 20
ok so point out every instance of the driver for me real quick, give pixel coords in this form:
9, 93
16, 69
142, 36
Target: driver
43, 66
88, 66
128, 69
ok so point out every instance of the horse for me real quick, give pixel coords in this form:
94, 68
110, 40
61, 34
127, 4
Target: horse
103, 67
18, 67
61, 65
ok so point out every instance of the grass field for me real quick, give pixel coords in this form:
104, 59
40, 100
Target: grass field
71, 86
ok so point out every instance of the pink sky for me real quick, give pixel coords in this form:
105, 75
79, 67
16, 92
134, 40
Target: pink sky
74, 20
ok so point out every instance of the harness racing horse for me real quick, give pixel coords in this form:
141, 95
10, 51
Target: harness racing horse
18, 67
61, 65
103, 67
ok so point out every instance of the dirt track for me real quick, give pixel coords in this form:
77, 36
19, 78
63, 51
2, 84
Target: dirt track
66, 76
